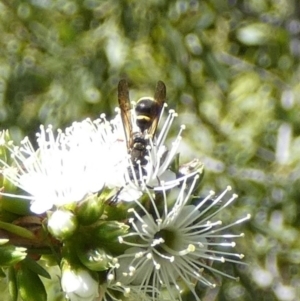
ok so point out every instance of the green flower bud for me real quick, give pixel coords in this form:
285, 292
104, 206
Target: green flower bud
110, 230
10, 255
95, 258
107, 234
62, 224
30, 286
89, 210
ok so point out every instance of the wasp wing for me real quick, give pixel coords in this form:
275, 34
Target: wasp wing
125, 106
159, 98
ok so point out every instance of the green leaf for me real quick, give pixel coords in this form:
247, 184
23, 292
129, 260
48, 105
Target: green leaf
12, 283
20, 231
14, 205
36, 268
30, 286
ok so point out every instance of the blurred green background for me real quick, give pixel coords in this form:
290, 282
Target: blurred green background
232, 73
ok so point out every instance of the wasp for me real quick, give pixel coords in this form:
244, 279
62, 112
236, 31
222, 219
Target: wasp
142, 126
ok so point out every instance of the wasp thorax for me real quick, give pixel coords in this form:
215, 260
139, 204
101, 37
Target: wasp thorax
139, 149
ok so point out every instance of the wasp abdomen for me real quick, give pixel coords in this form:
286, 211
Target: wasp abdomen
146, 110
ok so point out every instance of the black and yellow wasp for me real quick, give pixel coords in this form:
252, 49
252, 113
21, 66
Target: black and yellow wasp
147, 114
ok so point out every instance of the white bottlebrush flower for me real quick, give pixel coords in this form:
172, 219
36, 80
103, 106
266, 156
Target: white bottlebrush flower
79, 285
170, 249
64, 169
111, 135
